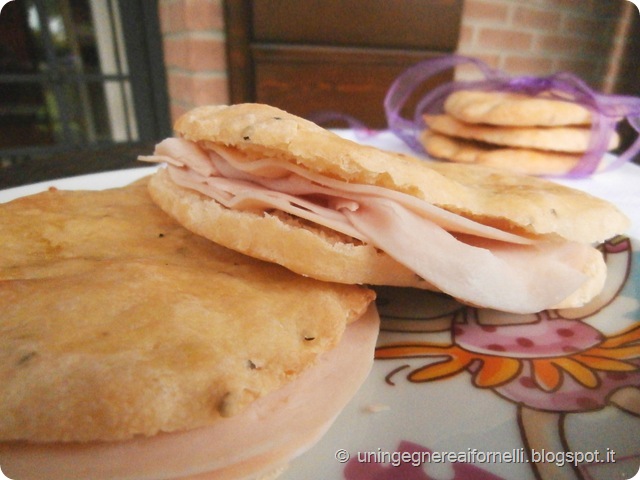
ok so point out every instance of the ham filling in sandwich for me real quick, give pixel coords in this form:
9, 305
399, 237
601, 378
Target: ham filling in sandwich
507, 269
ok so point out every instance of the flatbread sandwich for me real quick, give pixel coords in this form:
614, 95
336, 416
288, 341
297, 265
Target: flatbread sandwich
131, 348
282, 189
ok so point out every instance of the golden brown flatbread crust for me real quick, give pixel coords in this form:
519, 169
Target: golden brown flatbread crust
556, 139
259, 130
535, 205
514, 109
116, 321
520, 160
513, 202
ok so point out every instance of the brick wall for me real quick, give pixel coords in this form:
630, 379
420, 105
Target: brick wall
533, 37
540, 37
194, 53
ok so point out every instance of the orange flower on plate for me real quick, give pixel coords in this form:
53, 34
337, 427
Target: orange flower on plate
548, 361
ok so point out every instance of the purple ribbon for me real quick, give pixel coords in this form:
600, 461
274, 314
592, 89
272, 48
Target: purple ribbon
606, 110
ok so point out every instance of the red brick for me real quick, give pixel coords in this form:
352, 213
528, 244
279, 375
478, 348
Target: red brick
173, 13
205, 54
174, 51
176, 110
521, 65
203, 15
537, 19
466, 35
508, 40
209, 89
191, 90
179, 87
482, 10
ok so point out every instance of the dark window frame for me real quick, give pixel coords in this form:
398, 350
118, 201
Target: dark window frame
147, 77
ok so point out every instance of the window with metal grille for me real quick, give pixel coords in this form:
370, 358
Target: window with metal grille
79, 75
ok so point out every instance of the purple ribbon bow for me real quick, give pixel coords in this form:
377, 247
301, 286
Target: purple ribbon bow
606, 110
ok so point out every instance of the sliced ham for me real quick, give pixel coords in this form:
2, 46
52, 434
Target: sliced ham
265, 436
478, 264
517, 278
290, 179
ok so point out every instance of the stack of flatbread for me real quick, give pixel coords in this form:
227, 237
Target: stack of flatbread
512, 131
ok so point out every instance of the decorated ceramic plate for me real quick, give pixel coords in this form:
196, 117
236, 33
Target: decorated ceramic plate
464, 393
461, 393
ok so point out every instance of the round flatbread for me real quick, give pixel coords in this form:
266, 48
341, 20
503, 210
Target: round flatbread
117, 321
514, 109
520, 160
557, 139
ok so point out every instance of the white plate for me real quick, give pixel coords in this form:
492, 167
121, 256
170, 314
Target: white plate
474, 409
93, 181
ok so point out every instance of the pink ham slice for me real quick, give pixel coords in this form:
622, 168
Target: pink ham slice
478, 264
265, 436
513, 278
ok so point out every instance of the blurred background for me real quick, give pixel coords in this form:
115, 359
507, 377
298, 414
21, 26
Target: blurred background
87, 85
